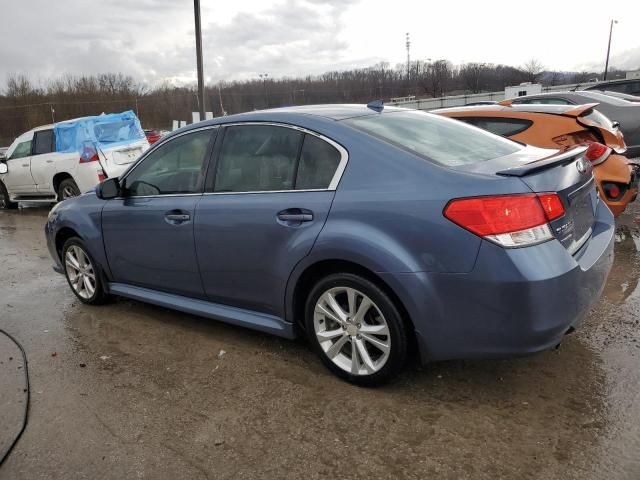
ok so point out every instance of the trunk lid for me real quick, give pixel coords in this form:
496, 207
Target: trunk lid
124, 154
568, 174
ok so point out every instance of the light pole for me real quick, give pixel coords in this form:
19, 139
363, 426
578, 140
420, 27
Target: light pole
408, 43
606, 65
264, 77
201, 106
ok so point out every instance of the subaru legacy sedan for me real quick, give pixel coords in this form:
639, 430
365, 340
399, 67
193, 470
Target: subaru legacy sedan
369, 230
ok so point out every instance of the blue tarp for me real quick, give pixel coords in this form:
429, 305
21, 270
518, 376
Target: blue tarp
101, 131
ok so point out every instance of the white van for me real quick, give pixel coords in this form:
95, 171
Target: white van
55, 162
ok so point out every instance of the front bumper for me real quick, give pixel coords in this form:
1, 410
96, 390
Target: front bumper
51, 246
515, 301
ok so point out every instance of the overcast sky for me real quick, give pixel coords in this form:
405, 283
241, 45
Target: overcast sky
153, 40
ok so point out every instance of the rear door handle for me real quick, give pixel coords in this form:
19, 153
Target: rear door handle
25, 164
175, 217
49, 161
295, 215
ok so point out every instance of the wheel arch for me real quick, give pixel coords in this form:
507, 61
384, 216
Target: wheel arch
59, 177
306, 279
64, 234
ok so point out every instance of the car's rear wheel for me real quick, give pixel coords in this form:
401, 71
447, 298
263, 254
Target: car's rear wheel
67, 189
5, 201
356, 329
82, 272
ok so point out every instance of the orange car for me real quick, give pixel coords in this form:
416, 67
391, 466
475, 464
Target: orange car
563, 126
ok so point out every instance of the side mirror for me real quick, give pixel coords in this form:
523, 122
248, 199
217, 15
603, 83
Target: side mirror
615, 124
3, 168
110, 188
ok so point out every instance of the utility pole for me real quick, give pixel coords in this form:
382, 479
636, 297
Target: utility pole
408, 56
606, 65
220, 98
196, 9
264, 77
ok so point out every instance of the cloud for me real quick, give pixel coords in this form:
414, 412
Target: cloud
153, 40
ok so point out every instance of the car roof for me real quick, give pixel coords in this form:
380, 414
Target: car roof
331, 111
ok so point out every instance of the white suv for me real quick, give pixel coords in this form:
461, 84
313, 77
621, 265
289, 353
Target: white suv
40, 166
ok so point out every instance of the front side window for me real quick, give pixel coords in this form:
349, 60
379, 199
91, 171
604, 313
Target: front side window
257, 158
44, 142
22, 150
505, 127
177, 167
442, 140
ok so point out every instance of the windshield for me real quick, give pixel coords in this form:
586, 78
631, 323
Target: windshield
601, 97
443, 140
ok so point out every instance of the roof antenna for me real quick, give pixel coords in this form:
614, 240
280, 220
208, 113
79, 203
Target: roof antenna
376, 105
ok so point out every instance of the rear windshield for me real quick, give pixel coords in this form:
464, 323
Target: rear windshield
443, 140
598, 118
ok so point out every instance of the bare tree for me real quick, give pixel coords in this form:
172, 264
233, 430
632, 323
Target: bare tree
533, 68
472, 74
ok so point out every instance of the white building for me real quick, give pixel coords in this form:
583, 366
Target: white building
633, 75
523, 89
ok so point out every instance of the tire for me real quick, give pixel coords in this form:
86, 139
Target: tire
83, 275
5, 201
67, 189
352, 330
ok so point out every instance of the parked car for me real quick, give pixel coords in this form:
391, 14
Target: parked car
630, 86
3, 153
626, 114
564, 126
55, 162
623, 96
370, 229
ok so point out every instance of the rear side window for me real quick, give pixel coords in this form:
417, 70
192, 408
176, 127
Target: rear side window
44, 142
22, 150
505, 127
257, 158
443, 140
318, 164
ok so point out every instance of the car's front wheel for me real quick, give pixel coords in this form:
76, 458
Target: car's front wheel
356, 329
5, 201
82, 272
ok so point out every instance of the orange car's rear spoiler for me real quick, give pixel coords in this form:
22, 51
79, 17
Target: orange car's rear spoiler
573, 112
579, 110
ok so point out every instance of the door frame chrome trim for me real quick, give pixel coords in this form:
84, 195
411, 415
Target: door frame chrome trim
333, 184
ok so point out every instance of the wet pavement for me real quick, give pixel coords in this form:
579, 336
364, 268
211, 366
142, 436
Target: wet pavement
129, 390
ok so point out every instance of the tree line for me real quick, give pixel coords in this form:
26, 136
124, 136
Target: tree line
25, 104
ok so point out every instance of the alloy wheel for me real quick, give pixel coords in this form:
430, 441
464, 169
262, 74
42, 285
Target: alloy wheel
80, 271
352, 331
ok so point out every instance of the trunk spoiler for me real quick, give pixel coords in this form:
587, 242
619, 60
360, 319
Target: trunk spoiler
552, 161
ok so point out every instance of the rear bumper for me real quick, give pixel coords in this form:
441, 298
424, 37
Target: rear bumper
515, 301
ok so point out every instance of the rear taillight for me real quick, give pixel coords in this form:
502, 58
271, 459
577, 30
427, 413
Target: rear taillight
102, 176
508, 220
89, 154
597, 153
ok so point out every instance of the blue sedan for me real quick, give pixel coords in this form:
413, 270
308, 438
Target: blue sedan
367, 229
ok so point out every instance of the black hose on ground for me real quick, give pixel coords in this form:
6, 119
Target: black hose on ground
26, 407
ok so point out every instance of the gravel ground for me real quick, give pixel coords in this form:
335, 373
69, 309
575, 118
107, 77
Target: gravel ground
129, 390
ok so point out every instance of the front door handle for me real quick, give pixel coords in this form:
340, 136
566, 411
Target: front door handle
25, 164
176, 217
295, 215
